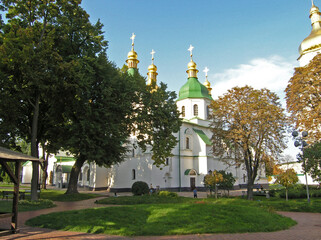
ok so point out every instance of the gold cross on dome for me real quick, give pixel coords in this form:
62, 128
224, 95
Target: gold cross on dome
206, 71
190, 49
133, 38
152, 52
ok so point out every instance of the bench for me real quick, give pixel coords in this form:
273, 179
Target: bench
28, 193
6, 194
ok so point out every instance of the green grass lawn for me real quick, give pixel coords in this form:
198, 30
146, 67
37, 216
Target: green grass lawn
293, 205
145, 199
195, 217
60, 196
25, 205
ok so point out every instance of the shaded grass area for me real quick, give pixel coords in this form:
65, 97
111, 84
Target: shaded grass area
25, 205
60, 196
144, 199
167, 219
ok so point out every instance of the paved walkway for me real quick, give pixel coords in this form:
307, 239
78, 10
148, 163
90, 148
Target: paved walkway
308, 227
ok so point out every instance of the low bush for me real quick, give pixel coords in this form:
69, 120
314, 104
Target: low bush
45, 202
297, 191
140, 188
167, 194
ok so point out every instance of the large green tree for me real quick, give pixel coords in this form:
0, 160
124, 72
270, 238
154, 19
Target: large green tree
303, 98
248, 129
312, 155
28, 65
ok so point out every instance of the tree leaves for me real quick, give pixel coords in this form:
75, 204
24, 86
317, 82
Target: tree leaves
303, 98
248, 128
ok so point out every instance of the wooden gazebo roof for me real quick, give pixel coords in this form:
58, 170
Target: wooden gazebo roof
7, 155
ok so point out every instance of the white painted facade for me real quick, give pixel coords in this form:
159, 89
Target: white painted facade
191, 161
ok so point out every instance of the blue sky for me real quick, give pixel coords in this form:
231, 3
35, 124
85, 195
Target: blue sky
228, 36
252, 42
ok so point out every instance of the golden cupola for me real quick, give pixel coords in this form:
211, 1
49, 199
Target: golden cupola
152, 73
191, 66
313, 41
207, 84
132, 60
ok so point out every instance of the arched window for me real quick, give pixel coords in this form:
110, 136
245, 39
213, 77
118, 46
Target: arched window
183, 111
187, 142
195, 109
133, 174
207, 112
88, 175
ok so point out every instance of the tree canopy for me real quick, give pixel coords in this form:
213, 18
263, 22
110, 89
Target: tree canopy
303, 98
287, 178
58, 88
312, 155
248, 129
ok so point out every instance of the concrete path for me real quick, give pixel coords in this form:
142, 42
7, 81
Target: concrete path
308, 227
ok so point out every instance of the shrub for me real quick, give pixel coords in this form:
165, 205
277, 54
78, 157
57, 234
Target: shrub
140, 188
167, 194
48, 203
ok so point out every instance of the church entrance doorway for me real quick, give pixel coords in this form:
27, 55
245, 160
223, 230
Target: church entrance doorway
192, 183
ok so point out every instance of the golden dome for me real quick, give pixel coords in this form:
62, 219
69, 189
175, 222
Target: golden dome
132, 55
152, 68
191, 65
191, 69
313, 41
207, 84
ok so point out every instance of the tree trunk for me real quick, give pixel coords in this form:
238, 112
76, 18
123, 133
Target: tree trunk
215, 191
34, 150
44, 170
286, 194
73, 180
249, 188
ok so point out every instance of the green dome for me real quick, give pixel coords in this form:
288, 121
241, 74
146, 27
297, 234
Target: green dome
193, 89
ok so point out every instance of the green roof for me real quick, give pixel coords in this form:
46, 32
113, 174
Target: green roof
193, 89
65, 159
131, 71
203, 136
190, 172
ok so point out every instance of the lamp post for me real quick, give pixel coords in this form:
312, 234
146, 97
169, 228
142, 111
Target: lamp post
299, 142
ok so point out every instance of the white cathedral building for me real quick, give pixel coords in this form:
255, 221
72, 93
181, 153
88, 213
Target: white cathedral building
192, 156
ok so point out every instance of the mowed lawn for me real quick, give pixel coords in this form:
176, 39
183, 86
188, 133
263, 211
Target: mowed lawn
224, 216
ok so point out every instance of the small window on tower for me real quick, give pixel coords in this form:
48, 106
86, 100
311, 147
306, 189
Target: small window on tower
207, 112
187, 142
133, 174
183, 111
88, 174
167, 162
195, 108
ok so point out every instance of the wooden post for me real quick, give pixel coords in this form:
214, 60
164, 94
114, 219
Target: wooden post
14, 219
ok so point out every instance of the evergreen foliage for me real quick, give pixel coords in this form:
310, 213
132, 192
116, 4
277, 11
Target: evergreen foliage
140, 188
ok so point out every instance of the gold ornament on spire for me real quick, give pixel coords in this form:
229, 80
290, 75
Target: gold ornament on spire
132, 60
152, 73
313, 41
191, 66
207, 84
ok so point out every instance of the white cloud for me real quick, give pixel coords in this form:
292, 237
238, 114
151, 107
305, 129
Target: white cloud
272, 73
